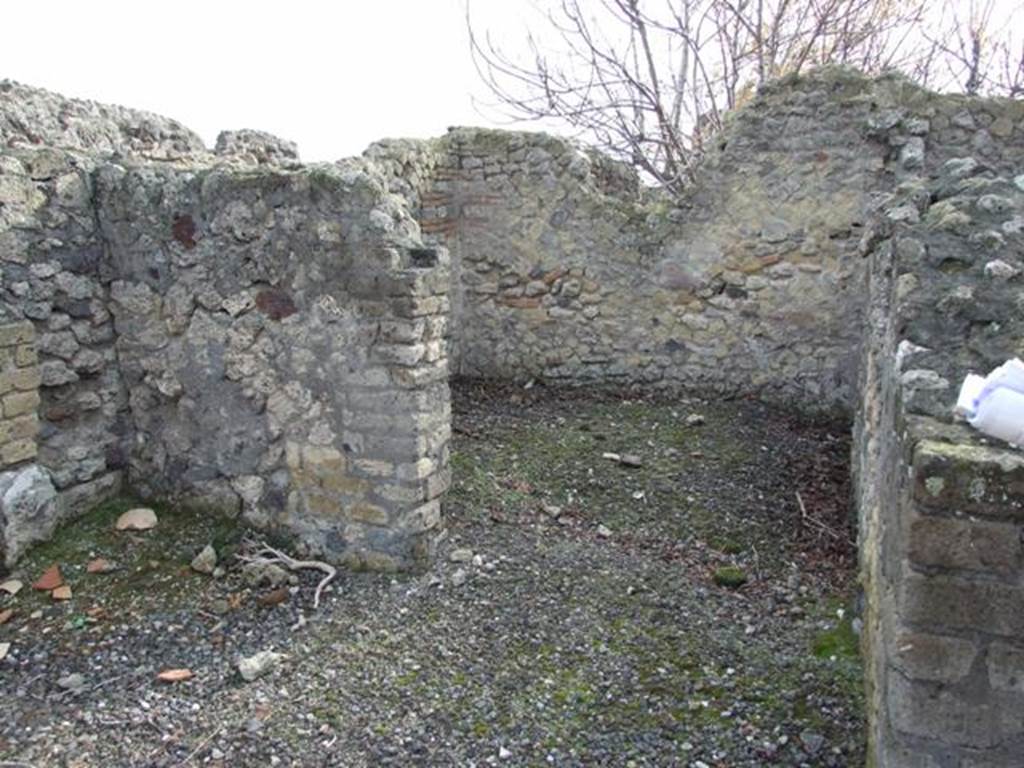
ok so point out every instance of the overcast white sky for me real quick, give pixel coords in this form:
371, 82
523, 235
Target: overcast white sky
332, 75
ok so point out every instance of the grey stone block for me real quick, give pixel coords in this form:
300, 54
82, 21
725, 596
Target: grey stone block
28, 510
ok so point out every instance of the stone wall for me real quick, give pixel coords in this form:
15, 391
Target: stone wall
233, 330
566, 269
281, 338
941, 507
239, 330
54, 278
851, 243
36, 117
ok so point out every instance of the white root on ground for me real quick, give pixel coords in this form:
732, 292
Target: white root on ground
267, 555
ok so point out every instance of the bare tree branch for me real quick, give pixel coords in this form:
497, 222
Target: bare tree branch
649, 80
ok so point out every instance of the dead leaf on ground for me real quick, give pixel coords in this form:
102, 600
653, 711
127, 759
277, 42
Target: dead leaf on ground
138, 519
235, 601
99, 565
174, 675
4, 648
61, 593
97, 612
5, 616
11, 587
274, 597
51, 579
518, 485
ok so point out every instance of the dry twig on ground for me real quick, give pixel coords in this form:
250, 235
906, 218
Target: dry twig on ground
267, 555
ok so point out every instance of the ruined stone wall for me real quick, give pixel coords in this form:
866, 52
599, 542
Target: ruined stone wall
239, 330
36, 117
851, 242
52, 293
54, 280
280, 334
233, 330
941, 507
566, 269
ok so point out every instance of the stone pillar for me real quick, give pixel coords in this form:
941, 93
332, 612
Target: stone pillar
28, 501
399, 410
955, 684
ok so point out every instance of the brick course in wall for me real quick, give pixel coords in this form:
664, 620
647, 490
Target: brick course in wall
19, 393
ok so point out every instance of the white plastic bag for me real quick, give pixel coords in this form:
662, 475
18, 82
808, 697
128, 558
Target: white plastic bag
994, 404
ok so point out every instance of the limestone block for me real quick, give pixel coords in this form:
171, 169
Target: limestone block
25, 355
422, 518
966, 544
958, 604
922, 656
52, 373
17, 451
28, 510
972, 479
912, 153
84, 496
374, 467
966, 719
1005, 665
19, 403
18, 428
364, 512
15, 334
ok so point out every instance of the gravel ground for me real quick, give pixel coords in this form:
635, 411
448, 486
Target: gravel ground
583, 620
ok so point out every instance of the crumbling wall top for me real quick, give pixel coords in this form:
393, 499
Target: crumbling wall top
257, 147
36, 117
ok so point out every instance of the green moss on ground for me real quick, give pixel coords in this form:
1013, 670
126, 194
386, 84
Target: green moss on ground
152, 567
730, 576
840, 641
